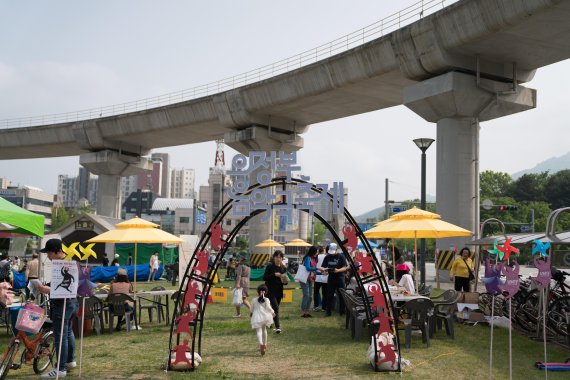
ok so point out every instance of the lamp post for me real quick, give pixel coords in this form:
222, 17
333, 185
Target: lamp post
423, 144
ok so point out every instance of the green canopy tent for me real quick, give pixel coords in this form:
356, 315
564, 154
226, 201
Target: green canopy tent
15, 220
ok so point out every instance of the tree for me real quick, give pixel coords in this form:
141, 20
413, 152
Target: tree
242, 243
557, 189
530, 187
318, 232
59, 217
494, 184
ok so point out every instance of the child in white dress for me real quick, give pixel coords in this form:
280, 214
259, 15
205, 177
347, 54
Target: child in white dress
261, 317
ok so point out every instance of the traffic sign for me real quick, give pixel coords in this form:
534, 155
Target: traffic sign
525, 228
487, 204
398, 208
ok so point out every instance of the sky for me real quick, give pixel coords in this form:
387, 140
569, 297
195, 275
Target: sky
62, 56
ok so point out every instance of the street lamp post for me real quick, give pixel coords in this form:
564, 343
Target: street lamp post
423, 144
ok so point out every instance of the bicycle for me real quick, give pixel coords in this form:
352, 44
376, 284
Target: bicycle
558, 301
39, 350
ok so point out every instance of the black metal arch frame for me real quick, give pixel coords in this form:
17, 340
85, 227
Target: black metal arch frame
206, 281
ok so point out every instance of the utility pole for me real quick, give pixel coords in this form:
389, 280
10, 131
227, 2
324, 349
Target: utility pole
386, 203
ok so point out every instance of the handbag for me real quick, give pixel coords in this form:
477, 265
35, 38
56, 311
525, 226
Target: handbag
302, 274
237, 299
471, 275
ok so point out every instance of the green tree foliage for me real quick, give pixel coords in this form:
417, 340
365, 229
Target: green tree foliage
529, 187
557, 189
318, 232
242, 243
494, 184
59, 216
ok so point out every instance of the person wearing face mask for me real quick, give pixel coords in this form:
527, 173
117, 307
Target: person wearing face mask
335, 265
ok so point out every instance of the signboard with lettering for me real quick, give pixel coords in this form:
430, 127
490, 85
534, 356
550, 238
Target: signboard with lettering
259, 168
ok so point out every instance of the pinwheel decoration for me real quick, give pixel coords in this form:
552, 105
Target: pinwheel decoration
540, 248
495, 250
506, 250
88, 251
71, 251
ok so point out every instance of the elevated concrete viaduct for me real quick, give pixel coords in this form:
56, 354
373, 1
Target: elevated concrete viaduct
457, 67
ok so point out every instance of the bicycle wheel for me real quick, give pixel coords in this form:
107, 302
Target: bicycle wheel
527, 313
559, 315
8, 360
45, 351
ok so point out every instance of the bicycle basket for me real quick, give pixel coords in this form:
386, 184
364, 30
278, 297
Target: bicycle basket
30, 318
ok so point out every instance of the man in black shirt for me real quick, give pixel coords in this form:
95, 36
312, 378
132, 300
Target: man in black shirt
335, 264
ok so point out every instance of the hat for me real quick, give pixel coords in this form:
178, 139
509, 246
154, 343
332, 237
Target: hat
332, 247
122, 271
403, 267
116, 255
52, 245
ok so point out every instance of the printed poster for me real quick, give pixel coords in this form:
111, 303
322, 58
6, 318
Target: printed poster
64, 279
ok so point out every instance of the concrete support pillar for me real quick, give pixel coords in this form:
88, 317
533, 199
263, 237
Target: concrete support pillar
110, 166
258, 138
457, 103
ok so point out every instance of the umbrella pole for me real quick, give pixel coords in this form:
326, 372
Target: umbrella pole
135, 278
416, 266
393, 261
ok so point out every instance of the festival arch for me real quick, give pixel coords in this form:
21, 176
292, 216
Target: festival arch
197, 281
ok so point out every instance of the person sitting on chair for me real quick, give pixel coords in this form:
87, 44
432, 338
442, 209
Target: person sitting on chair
404, 278
121, 284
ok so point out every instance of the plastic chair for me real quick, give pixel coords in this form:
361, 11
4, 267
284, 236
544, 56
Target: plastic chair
156, 304
93, 310
425, 291
117, 300
447, 296
419, 312
444, 312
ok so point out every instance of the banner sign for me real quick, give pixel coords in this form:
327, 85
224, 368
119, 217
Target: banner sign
258, 168
64, 279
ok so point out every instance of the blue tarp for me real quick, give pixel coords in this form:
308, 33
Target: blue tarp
102, 274
106, 274
20, 280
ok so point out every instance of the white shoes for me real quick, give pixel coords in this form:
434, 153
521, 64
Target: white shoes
53, 374
70, 365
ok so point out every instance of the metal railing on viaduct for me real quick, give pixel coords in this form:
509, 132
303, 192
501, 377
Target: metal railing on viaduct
368, 33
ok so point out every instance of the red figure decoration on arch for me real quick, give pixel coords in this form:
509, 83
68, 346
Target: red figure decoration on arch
191, 296
217, 239
201, 267
181, 357
350, 237
389, 353
364, 263
183, 322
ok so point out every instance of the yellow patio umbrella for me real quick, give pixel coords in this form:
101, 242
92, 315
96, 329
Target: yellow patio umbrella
415, 224
136, 230
297, 243
269, 243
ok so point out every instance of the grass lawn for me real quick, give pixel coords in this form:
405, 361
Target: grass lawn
315, 347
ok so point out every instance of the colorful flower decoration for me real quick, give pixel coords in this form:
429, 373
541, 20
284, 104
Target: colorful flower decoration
541, 248
506, 250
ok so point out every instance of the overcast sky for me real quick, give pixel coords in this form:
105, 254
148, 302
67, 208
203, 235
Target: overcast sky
60, 56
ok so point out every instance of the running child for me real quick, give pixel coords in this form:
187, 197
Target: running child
261, 317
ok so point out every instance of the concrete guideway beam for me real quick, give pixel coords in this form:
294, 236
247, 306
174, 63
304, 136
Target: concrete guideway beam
110, 166
456, 102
